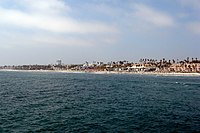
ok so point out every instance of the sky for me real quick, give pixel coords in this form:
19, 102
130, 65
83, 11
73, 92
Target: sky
75, 31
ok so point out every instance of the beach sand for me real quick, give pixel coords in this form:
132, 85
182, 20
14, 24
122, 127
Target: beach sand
107, 72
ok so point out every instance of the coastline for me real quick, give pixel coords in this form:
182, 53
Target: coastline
151, 73
106, 72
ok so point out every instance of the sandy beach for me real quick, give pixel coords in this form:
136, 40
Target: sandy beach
106, 72
151, 73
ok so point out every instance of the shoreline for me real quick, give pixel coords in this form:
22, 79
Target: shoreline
106, 72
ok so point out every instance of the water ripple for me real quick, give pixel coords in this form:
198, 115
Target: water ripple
57, 102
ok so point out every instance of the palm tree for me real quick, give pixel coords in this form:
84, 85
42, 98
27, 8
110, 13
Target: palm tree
188, 59
177, 60
173, 61
163, 59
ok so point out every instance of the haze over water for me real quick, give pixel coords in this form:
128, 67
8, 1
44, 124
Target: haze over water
62, 102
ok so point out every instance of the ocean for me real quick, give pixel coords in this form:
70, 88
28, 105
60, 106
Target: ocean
96, 103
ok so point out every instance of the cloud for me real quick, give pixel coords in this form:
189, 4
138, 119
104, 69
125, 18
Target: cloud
44, 6
104, 9
14, 39
194, 27
50, 16
152, 16
191, 14
35, 23
195, 4
58, 40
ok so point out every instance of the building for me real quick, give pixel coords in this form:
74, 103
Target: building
59, 62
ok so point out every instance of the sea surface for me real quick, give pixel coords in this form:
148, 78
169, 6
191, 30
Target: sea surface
96, 103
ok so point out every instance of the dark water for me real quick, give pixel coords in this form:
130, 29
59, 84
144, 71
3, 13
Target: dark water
57, 102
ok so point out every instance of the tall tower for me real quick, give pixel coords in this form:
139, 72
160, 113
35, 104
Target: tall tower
59, 62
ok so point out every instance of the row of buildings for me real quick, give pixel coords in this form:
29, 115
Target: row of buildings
144, 65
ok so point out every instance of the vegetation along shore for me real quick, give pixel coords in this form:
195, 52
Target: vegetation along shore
185, 67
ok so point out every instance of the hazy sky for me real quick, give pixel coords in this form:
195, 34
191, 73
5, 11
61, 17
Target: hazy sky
42, 31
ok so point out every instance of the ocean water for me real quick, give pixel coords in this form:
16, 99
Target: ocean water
95, 103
